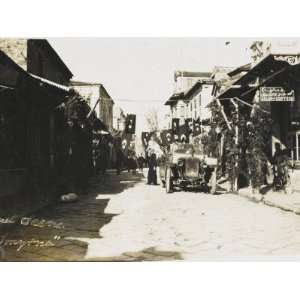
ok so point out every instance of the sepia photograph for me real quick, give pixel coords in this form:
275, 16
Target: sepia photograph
149, 149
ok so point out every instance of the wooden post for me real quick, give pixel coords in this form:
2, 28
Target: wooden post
235, 187
223, 114
89, 114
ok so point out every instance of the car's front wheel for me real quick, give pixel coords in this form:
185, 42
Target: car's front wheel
168, 181
213, 182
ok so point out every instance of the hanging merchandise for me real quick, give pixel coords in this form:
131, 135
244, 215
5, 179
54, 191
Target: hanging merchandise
130, 124
197, 127
166, 137
145, 138
175, 126
189, 124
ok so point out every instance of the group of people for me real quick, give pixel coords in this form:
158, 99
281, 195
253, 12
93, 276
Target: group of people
280, 160
101, 154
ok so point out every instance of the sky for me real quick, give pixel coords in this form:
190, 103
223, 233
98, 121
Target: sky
138, 73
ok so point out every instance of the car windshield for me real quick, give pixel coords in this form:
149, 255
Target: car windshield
183, 148
198, 149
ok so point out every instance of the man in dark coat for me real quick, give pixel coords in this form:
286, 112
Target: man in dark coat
84, 156
152, 176
119, 154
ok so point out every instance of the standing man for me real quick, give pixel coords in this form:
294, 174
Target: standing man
152, 174
154, 152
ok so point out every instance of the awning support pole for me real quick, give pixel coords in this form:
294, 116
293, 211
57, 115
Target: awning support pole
223, 114
235, 186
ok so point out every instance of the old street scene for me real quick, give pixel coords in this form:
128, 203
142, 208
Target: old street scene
149, 149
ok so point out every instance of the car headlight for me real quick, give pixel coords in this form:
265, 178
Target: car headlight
180, 163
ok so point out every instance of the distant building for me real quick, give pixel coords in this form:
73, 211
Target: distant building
98, 99
180, 102
37, 57
184, 80
119, 118
197, 99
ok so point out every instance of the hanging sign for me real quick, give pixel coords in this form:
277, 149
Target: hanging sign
290, 59
276, 94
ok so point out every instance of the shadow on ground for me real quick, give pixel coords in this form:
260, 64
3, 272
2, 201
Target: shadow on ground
148, 254
81, 220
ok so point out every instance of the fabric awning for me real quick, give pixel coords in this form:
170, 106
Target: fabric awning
174, 98
50, 83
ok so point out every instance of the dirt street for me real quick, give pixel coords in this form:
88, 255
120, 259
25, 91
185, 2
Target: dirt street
123, 219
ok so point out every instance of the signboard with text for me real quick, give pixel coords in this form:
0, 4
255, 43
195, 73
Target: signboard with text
276, 94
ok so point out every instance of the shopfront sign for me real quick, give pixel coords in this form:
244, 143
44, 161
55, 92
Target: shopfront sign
290, 59
276, 94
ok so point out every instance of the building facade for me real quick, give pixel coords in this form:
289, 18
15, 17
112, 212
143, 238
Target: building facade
197, 98
192, 90
272, 82
119, 118
29, 127
98, 98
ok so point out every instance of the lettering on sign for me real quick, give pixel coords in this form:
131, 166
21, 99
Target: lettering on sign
276, 94
27, 221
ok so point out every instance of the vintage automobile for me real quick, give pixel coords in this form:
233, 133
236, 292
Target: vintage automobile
185, 166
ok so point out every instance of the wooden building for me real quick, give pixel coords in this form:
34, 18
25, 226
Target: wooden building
28, 122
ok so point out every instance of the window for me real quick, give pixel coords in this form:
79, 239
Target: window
174, 114
182, 111
189, 82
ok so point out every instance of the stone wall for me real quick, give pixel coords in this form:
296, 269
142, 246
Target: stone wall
16, 49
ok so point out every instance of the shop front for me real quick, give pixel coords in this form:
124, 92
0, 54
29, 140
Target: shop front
27, 112
268, 91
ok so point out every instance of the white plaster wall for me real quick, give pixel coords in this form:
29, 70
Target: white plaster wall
90, 93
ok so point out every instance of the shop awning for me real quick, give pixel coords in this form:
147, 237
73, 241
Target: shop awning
270, 66
49, 83
175, 98
98, 125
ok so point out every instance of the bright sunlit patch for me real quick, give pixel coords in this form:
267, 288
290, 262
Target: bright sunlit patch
127, 181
